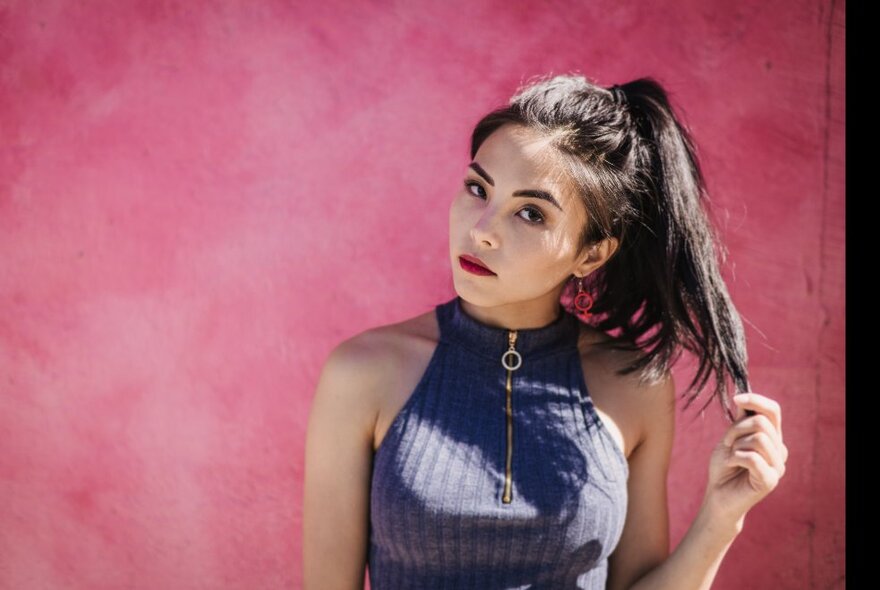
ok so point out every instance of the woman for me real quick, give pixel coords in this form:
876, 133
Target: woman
519, 434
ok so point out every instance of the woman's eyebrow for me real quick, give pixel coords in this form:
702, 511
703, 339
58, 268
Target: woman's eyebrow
536, 194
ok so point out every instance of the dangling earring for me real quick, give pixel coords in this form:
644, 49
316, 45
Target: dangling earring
583, 301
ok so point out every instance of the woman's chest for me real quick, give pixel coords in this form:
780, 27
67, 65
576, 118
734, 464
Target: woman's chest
460, 480
606, 392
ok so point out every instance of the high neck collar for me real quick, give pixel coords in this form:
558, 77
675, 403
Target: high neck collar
492, 341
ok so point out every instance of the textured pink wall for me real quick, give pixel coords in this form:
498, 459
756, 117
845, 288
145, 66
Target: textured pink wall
198, 200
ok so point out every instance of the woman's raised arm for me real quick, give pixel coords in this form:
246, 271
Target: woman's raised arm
745, 466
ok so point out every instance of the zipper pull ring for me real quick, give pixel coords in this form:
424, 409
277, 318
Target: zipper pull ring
517, 357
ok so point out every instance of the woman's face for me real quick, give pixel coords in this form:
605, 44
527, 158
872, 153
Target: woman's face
529, 242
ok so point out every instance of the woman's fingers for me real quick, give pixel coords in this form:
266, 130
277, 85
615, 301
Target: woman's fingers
761, 433
767, 476
756, 423
762, 405
764, 444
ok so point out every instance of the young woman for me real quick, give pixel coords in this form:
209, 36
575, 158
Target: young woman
518, 435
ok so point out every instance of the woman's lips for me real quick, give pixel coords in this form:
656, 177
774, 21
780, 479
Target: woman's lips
471, 265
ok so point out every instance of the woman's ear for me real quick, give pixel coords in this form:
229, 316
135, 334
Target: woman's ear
597, 255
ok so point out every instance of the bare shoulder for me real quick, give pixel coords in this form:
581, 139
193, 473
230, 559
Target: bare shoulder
355, 386
385, 363
623, 402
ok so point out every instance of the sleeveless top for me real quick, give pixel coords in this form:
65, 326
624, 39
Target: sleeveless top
481, 485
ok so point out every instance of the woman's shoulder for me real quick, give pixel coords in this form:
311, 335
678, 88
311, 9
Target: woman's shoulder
598, 352
619, 399
392, 343
384, 364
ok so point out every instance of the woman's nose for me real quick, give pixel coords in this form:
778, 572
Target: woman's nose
484, 230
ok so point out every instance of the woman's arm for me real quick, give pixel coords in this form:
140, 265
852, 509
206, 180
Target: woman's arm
746, 465
696, 559
644, 543
338, 462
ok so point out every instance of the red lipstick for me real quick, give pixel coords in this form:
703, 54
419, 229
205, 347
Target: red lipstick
474, 265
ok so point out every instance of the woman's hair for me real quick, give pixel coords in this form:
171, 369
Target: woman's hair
634, 165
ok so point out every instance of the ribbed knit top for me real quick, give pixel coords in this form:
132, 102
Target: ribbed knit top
438, 516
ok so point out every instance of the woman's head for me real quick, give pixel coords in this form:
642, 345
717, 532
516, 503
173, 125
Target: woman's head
518, 212
632, 217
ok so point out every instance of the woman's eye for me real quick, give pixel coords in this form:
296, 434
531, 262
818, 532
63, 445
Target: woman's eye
470, 183
538, 219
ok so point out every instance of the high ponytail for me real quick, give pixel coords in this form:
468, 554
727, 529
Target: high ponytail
635, 167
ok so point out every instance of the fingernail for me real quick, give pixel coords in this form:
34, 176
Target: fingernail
740, 397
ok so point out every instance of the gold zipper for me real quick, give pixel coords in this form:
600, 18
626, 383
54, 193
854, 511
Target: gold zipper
517, 360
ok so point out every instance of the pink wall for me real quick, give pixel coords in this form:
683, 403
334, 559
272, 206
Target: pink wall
198, 200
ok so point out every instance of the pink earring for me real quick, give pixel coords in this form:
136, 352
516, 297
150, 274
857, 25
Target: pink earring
583, 301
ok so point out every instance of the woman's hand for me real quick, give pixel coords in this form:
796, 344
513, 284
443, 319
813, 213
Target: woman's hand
748, 462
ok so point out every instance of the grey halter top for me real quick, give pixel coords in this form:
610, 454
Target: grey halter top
497, 474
